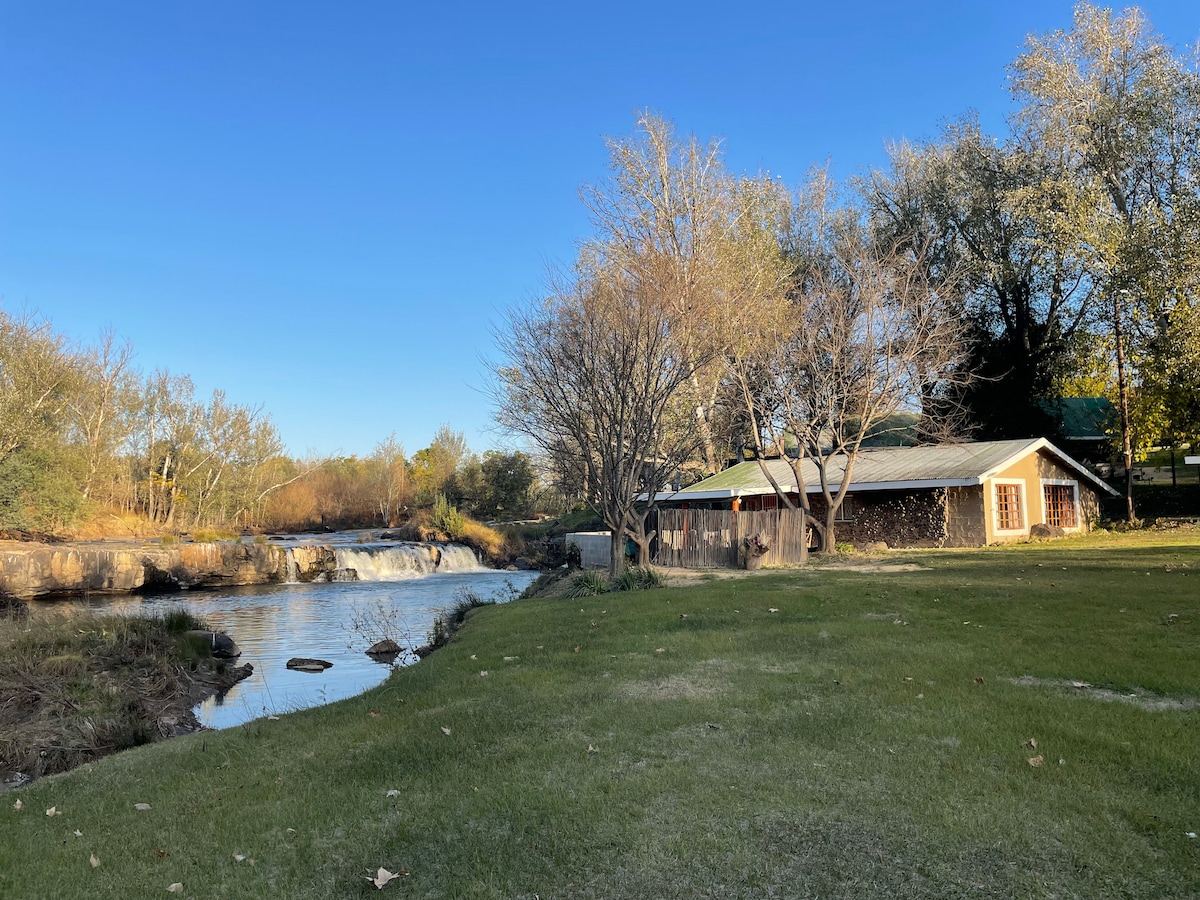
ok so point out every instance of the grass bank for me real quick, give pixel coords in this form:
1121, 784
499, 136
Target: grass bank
1002, 723
75, 686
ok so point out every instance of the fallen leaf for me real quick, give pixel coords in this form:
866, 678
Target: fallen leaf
683, 615
383, 876
78, 833
483, 673
141, 807
591, 749
94, 860
908, 678
511, 658
1061, 761
1031, 744
392, 793
1036, 761
920, 696
291, 831
53, 811
18, 806
772, 609
445, 730
374, 713
238, 857
161, 854
661, 650
176, 888
272, 718
577, 649
978, 680
1191, 834
473, 656
1080, 684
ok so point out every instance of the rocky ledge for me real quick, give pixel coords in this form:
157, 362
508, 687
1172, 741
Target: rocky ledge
37, 570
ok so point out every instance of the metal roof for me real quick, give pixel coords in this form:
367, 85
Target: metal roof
886, 468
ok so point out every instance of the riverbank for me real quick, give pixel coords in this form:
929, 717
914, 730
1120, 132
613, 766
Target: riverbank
82, 687
34, 569
1009, 722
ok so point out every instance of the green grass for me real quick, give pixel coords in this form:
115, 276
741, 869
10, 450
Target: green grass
691, 742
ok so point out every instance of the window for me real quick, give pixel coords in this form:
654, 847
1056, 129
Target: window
1061, 509
845, 512
1008, 508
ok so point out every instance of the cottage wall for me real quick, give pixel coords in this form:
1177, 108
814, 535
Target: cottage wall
1031, 473
966, 524
901, 518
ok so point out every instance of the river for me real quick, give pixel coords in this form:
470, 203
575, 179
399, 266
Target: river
332, 621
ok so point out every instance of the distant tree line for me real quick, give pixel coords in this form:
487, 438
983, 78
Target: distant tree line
86, 436
963, 290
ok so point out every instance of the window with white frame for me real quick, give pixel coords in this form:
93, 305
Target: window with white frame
1061, 501
1010, 516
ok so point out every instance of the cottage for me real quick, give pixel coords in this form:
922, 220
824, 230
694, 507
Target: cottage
948, 495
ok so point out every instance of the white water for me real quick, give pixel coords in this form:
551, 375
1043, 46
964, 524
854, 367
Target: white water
399, 562
392, 562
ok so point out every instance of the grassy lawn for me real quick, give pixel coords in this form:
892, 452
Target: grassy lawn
821, 733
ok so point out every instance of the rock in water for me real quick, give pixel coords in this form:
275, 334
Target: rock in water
222, 645
385, 647
303, 664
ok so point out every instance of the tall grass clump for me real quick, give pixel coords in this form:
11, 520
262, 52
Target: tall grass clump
587, 584
447, 622
637, 578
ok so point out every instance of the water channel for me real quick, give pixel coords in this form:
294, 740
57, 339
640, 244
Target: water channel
334, 621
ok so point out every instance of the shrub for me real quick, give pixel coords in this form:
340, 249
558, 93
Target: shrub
446, 518
211, 535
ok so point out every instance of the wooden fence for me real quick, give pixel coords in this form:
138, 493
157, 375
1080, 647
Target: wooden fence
711, 538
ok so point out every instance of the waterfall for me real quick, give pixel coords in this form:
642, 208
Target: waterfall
399, 562
293, 570
457, 558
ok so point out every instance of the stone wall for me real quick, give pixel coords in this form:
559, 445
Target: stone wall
966, 525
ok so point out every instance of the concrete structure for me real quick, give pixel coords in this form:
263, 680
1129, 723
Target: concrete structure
595, 548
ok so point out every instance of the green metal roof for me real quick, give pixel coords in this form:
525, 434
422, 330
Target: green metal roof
885, 468
1082, 418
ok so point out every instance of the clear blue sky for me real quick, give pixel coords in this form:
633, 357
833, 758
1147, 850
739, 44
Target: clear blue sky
324, 208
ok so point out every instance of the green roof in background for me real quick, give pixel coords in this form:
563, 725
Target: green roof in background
1081, 418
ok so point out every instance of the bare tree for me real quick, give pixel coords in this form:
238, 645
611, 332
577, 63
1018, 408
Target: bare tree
593, 378
101, 409
868, 337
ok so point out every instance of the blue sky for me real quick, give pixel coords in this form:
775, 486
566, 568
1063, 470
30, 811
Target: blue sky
324, 209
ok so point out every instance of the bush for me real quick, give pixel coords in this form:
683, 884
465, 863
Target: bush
211, 535
446, 518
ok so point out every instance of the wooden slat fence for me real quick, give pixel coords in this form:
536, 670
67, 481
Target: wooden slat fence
710, 538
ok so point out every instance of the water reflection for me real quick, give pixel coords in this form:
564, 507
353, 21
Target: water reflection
334, 621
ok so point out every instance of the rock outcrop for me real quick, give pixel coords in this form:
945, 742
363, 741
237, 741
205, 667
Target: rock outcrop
36, 570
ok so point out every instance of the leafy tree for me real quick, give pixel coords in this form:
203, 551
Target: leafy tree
1121, 111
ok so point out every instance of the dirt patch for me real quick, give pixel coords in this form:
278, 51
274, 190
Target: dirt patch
1138, 697
704, 682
